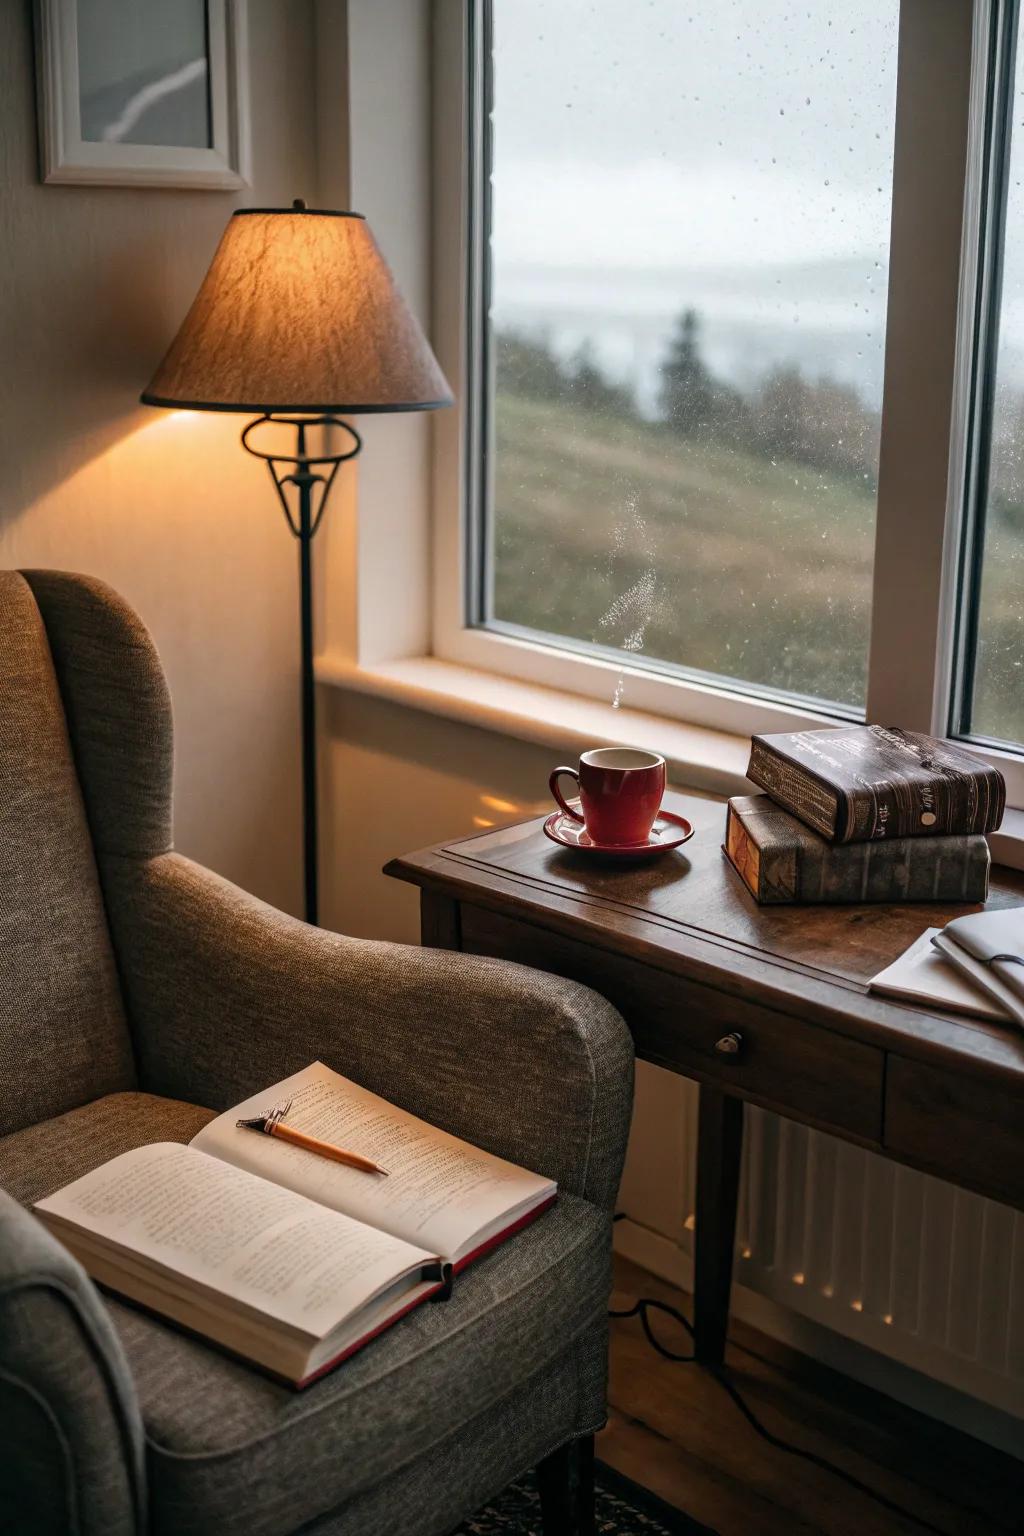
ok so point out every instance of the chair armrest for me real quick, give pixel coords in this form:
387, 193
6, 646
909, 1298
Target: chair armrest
73, 1451
227, 995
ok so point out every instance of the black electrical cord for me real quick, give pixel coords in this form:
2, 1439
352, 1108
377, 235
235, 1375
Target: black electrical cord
647, 1304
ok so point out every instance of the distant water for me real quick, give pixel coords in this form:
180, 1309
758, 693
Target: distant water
823, 317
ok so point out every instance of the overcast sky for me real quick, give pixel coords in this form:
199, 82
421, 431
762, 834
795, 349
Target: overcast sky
658, 133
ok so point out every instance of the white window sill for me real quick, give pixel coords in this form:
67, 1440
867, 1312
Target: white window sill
1007, 844
710, 762
699, 759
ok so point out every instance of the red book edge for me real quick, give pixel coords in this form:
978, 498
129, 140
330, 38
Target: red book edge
470, 1258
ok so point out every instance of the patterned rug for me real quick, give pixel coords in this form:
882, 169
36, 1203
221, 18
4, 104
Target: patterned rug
623, 1509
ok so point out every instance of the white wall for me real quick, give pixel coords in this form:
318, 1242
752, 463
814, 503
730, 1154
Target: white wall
165, 506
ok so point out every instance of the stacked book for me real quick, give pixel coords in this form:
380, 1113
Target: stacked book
864, 813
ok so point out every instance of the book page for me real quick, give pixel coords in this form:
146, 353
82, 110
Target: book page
261, 1245
440, 1192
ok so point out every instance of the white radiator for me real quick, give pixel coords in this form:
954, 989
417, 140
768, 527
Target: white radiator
924, 1273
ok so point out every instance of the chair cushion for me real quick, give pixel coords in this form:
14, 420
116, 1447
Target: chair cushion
229, 1450
44, 1157
431, 1494
63, 1035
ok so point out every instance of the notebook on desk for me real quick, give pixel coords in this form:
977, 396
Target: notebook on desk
987, 950
923, 975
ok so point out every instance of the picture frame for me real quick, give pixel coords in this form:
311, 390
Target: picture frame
102, 150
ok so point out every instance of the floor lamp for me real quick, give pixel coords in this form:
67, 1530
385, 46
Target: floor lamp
299, 321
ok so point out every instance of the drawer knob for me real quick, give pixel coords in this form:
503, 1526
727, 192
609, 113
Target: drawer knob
729, 1045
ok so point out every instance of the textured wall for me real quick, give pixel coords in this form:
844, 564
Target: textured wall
166, 507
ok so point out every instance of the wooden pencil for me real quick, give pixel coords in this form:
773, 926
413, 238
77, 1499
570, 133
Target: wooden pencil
326, 1149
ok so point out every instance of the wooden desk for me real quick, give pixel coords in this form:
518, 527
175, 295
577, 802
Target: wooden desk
761, 1004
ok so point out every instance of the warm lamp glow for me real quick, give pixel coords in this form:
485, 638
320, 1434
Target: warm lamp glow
299, 322
495, 803
298, 313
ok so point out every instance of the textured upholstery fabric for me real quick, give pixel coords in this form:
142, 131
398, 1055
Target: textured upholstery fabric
63, 1037
118, 710
41, 1158
71, 1459
223, 995
227, 994
430, 1495
230, 1451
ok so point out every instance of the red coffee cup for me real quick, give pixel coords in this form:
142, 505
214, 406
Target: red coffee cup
621, 789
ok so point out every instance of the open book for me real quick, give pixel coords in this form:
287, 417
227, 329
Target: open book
279, 1255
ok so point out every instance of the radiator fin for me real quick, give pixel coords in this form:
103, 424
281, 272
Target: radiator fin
925, 1273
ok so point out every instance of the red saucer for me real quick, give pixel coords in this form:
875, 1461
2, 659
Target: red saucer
669, 831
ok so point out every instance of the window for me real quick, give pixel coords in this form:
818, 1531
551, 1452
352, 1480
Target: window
688, 264
991, 704
725, 294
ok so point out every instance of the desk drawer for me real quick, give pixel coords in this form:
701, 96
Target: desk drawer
963, 1129
802, 1070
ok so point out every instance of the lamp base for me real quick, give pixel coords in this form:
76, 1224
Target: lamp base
305, 471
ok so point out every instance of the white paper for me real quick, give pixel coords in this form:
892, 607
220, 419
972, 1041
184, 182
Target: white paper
263, 1246
990, 980
922, 975
440, 1192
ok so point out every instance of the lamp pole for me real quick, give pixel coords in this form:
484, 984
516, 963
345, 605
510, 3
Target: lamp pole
305, 482
305, 471
298, 319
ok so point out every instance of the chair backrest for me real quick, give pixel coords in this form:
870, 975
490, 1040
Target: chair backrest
63, 1034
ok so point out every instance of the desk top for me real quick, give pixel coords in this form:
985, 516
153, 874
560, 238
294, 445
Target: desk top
687, 912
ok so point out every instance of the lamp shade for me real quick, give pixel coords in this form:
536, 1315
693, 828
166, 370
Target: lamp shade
298, 312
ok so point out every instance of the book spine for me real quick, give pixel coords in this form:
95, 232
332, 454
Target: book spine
961, 805
901, 804
910, 869
792, 787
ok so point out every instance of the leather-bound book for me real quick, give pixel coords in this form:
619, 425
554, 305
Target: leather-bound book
781, 861
857, 783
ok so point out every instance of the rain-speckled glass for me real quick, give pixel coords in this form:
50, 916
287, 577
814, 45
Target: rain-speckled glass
689, 263
998, 700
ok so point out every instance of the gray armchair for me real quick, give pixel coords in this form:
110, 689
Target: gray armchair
139, 995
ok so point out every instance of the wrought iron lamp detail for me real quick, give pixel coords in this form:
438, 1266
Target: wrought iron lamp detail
299, 320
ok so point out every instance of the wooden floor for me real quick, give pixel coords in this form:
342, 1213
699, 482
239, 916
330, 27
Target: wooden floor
673, 1429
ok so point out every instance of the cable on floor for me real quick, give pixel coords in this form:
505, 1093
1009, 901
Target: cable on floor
648, 1304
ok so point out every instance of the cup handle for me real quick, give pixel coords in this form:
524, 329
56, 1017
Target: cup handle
560, 799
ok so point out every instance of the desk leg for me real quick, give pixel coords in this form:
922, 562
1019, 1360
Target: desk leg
440, 927
719, 1142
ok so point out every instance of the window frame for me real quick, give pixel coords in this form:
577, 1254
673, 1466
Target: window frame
931, 430
984, 322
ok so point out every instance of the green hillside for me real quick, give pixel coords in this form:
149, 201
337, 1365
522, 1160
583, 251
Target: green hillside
621, 533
